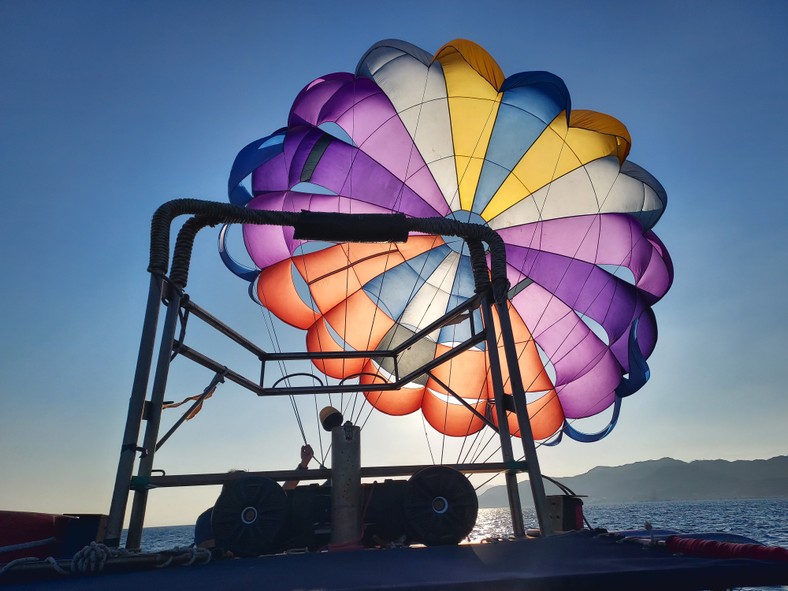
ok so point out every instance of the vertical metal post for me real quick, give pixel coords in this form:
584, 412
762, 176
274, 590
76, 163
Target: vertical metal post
526, 434
345, 484
154, 416
512, 492
128, 450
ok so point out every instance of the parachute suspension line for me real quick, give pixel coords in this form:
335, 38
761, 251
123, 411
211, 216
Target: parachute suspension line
490, 437
464, 453
366, 402
426, 307
464, 441
361, 411
445, 422
355, 418
359, 407
473, 412
298, 418
353, 409
487, 481
355, 415
427, 438
308, 281
318, 427
345, 318
323, 454
394, 208
370, 410
461, 459
268, 322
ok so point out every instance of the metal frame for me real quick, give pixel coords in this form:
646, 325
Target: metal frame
168, 289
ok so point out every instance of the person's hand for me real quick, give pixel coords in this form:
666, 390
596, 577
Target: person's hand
307, 453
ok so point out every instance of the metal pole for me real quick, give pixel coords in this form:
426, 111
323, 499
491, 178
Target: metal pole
154, 416
128, 449
507, 454
345, 484
174, 480
526, 434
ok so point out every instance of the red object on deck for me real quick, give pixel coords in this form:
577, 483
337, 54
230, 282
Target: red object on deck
714, 549
24, 534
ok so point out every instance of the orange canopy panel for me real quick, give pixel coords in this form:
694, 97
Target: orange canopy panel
368, 326
277, 292
402, 401
449, 416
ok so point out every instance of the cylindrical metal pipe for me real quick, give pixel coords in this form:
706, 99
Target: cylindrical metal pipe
128, 450
507, 453
521, 410
345, 485
139, 503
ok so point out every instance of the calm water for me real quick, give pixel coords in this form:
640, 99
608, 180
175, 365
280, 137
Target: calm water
765, 520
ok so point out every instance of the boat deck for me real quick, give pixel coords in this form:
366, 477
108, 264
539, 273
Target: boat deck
576, 560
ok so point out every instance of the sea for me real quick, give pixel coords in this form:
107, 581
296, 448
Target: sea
764, 520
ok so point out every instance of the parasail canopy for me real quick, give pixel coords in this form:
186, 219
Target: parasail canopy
449, 135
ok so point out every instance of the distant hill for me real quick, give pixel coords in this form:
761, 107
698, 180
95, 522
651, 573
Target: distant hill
667, 480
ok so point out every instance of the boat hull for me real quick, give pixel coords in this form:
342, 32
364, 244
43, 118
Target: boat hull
25, 534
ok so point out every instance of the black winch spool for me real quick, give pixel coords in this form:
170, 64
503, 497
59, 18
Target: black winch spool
440, 506
248, 516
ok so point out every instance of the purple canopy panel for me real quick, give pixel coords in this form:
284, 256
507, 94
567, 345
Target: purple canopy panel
366, 114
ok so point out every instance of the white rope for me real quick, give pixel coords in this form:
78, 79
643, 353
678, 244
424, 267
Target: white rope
202, 554
18, 561
198, 553
53, 562
91, 559
30, 559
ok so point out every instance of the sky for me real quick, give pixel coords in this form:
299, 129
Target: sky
109, 109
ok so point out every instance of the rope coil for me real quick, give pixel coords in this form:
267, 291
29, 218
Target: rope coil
91, 559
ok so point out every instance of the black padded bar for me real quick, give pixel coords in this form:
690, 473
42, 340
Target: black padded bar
339, 227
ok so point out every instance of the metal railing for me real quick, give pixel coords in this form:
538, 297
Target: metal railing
491, 288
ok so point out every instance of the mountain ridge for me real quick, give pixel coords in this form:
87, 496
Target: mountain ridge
665, 479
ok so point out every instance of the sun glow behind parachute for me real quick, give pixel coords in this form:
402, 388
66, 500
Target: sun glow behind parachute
450, 136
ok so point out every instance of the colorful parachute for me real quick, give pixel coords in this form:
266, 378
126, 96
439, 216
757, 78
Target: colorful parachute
450, 136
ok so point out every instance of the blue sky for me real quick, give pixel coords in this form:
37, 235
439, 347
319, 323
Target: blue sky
108, 109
